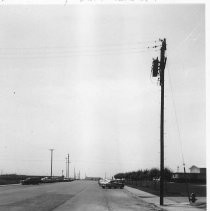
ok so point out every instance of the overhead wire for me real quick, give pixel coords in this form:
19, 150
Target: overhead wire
84, 46
187, 37
48, 51
176, 118
98, 51
180, 47
184, 41
72, 161
60, 54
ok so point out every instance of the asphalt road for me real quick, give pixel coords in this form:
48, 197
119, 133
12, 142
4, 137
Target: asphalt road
73, 196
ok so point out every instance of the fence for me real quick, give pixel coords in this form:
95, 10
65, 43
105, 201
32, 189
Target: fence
170, 188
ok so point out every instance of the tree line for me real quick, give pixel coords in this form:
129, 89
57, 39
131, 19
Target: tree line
147, 174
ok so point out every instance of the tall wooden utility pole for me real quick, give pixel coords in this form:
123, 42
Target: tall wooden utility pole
51, 162
162, 68
158, 70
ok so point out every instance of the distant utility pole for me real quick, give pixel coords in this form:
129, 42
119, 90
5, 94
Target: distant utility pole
74, 173
158, 70
68, 165
51, 162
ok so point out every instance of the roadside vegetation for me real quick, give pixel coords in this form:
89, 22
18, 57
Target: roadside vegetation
146, 174
149, 180
12, 178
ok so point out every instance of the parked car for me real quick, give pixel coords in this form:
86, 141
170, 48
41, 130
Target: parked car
156, 179
46, 180
68, 179
102, 182
113, 184
31, 181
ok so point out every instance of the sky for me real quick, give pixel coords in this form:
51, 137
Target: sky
77, 79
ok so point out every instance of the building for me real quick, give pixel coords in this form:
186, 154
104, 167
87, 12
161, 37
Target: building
195, 169
92, 178
195, 175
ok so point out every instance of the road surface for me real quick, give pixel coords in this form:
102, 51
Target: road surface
73, 196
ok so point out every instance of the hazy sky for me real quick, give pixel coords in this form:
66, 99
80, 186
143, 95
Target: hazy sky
77, 78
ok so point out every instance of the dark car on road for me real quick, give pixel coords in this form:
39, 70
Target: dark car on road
113, 184
46, 180
31, 181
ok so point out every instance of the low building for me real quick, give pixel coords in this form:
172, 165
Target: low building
195, 169
93, 178
195, 175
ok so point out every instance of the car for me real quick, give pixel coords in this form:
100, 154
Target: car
103, 182
68, 179
114, 184
31, 181
46, 180
156, 179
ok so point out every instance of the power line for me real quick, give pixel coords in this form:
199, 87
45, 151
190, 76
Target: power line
75, 161
73, 50
175, 112
180, 45
38, 56
136, 45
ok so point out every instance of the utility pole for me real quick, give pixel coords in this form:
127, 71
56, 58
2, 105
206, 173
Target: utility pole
51, 162
66, 168
74, 173
158, 70
187, 186
162, 68
68, 165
